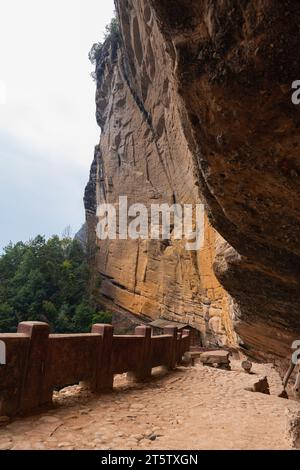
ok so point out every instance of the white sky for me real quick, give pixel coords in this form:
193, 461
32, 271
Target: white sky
47, 112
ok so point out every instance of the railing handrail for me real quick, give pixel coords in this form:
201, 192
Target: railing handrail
38, 361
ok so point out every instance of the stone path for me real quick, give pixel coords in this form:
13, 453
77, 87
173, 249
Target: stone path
192, 408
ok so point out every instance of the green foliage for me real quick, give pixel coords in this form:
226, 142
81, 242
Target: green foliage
112, 30
48, 281
112, 34
95, 52
102, 317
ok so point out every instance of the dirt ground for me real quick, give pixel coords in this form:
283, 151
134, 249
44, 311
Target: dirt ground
191, 408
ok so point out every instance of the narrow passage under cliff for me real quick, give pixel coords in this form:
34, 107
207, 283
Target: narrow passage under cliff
191, 408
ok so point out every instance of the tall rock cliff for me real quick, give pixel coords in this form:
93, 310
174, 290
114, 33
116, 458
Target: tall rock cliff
144, 154
194, 104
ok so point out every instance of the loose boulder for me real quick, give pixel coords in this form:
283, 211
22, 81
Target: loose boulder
262, 386
247, 366
217, 358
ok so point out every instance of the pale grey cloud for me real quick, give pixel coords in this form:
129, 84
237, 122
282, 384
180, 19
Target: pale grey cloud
38, 194
47, 112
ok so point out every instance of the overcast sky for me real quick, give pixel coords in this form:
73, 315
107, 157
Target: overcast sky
47, 113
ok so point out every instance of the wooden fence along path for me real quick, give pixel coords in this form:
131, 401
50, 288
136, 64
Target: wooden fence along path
38, 362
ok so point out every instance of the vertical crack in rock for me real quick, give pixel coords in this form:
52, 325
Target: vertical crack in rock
234, 66
196, 98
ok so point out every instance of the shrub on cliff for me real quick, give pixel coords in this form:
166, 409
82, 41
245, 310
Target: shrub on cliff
95, 52
48, 281
111, 35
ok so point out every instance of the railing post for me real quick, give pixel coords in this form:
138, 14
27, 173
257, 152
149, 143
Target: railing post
187, 340
104, 376
144, 369
172, 331
12, 373
32, 395
179, 347
183, 346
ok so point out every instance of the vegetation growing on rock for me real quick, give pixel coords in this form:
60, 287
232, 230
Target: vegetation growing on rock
111, 35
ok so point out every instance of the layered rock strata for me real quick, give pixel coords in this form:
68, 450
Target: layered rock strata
195, 105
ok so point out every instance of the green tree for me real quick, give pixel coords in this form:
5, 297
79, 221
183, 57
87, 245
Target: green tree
48, 281
111, 35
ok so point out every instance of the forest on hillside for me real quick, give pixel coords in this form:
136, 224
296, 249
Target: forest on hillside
48, 280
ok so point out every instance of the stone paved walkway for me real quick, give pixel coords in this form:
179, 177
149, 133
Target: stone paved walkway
191, 408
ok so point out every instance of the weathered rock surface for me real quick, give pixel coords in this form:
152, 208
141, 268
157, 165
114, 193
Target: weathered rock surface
234, 63
292, 431
196, 105
144, 154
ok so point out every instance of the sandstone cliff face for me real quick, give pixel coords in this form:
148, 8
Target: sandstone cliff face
234, 63
196, 105
145, 155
